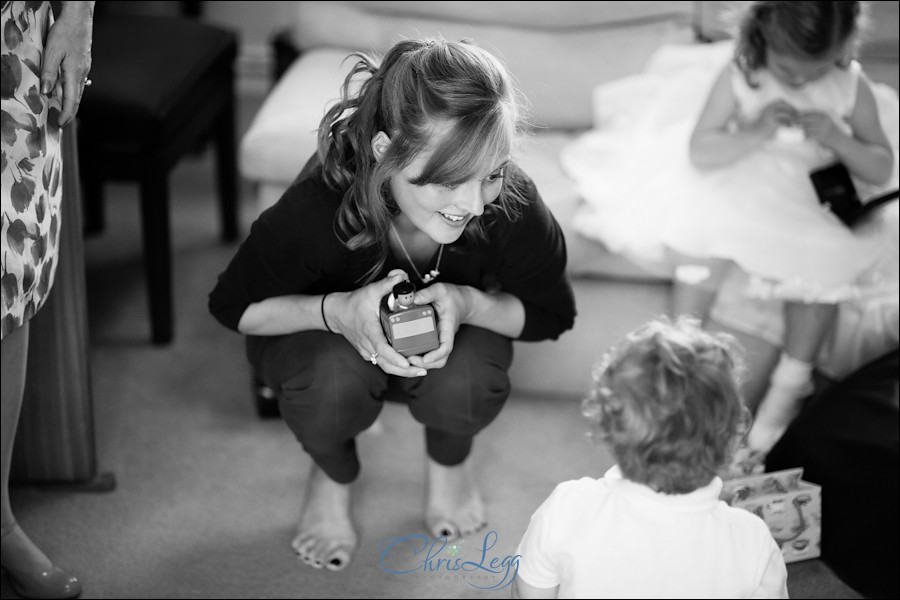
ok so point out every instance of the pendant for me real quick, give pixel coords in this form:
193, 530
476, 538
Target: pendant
431, 276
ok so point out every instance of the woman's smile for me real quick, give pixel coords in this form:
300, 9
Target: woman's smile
454, 220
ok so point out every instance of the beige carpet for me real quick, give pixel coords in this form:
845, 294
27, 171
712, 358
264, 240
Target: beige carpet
208, 494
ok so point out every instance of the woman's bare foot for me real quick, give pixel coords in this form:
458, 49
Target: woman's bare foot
325, 534
454, 507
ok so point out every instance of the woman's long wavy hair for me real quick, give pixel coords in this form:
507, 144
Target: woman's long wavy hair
417, 85
666, 400
802, 29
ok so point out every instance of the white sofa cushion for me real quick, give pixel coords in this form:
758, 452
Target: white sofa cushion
558, 51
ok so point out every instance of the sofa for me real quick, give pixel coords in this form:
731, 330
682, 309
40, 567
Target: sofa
559, 53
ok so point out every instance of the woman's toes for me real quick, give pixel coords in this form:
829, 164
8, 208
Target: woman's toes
473, 527
302, 544
338, 560
442, 527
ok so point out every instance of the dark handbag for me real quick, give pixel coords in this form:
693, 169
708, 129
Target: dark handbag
835, 190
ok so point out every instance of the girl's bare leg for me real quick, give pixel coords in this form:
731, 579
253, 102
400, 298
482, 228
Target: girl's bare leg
695, 285
806, 329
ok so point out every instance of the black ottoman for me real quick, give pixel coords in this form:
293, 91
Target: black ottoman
161, 87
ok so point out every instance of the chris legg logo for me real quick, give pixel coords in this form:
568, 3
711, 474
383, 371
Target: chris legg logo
418, 553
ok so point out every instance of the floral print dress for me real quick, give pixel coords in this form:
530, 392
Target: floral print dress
31, 165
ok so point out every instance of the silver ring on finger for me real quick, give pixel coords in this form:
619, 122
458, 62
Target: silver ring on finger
374, 358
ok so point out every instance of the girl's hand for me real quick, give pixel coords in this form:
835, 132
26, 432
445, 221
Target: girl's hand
67, 57
820, 127
452, 307
775, 115
355, 315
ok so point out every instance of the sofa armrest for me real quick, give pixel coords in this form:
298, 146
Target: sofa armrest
282, 136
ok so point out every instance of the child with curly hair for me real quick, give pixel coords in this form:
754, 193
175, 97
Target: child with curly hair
666, 401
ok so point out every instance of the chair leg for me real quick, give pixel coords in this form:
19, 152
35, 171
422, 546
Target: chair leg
92, 190
154, 190
226, 159
94, 213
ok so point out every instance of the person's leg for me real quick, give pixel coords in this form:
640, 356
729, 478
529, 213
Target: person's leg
455, 403
29, 569
695, 283
18, 551
760, 359
806, 329
327, 396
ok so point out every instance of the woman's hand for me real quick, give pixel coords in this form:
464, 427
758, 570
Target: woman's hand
452, 305
67, 57
356, 316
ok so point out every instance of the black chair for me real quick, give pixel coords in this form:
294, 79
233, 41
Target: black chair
162, 86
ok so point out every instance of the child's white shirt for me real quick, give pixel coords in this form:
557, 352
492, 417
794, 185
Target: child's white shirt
613, 538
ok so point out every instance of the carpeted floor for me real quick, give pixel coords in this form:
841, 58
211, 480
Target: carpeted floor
208, 494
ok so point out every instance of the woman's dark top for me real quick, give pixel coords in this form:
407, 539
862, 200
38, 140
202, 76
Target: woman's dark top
292, 248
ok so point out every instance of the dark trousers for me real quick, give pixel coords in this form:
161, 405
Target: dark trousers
328, 393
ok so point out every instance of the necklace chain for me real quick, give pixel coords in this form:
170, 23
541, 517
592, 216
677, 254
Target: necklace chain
431, 275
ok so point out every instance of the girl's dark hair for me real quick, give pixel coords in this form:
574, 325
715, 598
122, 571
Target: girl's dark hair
803, 29
666, 400
417, 85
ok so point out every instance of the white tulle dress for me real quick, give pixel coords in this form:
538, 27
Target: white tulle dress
642, 195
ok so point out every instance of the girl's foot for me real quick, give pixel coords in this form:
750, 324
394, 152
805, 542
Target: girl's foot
746, 461
325, 534
776, 411
454, 507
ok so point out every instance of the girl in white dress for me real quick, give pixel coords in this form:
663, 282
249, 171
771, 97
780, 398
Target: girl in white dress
790, 102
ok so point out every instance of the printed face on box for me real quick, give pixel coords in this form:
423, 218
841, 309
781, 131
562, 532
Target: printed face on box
790, 507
